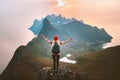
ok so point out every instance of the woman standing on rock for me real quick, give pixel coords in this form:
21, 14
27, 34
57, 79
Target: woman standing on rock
56, 49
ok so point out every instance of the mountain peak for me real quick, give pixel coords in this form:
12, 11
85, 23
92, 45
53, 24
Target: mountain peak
54, 20
59, 20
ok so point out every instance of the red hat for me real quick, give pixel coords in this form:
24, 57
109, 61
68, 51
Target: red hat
55, 37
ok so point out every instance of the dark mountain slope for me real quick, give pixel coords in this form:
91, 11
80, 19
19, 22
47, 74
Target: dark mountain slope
102, 65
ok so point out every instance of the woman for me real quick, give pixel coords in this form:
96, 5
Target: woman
56, 49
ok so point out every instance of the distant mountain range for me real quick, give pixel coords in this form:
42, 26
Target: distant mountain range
85, 37
54, 20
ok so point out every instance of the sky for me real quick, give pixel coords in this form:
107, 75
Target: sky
17, 16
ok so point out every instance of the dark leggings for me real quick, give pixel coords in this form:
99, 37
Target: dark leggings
56, 58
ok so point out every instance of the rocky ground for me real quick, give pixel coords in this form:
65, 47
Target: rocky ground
47, 73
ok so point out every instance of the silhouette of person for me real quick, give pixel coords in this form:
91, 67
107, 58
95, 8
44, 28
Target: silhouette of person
56, 49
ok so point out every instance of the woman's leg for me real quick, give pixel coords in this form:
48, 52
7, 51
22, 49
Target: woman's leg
53, 60
58, 57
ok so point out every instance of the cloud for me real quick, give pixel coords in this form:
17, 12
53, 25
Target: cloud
60, 3
30, 7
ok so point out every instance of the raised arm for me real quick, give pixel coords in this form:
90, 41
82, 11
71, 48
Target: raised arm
68, 40
43, 36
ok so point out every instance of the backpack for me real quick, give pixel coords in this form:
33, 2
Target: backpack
56, 48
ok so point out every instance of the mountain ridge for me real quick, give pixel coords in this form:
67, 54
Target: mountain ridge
99, 65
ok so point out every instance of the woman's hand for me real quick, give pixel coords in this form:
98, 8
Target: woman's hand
43, 36
70, 39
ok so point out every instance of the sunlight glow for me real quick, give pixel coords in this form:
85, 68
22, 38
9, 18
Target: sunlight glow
60, 3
